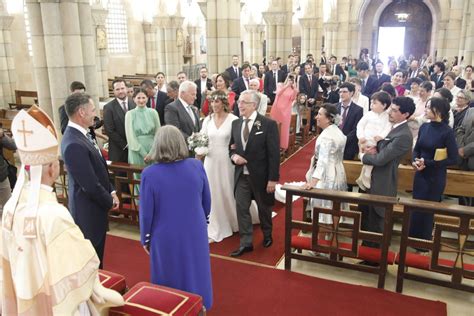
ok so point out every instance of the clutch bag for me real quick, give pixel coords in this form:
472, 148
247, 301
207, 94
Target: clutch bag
440, 154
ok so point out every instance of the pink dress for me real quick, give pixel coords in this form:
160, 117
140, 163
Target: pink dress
281, 112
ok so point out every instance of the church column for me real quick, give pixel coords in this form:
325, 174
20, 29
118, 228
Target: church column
469, 48
253, 48
330, 31
278, 32
354, 41
193, 32
311, 29
453, 29
64, 50
149, 30
7, 66
223, 32
173, 44
441, 41
99, 15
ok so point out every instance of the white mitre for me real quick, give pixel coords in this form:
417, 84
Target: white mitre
37, 143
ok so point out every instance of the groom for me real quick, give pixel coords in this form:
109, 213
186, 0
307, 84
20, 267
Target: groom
255, 151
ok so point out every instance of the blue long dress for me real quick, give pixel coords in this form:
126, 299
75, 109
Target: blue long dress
174, 203
429, 183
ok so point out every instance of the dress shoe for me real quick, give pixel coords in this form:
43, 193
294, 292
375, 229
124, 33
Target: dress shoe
369, 263
241, 251
267, 242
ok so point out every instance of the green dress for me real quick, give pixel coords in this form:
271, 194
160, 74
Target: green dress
141, 125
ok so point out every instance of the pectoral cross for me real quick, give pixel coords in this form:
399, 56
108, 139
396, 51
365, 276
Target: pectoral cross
24, 132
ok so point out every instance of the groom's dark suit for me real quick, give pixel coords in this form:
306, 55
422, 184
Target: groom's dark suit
385, 173
89, 187
262, 153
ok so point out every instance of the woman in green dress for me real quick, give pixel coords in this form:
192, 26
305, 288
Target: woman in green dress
141, 125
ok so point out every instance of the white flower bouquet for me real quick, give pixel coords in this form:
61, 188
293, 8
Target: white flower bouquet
199, 142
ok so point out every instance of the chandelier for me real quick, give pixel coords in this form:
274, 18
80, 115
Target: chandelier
401, 11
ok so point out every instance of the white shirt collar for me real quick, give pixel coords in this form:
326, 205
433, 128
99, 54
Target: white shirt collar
184, 103
253, 116
398, 124
78, 127
121, 101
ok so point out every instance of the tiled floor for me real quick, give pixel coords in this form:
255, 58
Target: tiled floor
459, 303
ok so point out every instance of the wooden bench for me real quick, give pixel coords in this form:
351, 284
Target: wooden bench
440, 249
23, 99
292, 136
337, 247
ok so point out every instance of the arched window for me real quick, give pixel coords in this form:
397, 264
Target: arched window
116, 24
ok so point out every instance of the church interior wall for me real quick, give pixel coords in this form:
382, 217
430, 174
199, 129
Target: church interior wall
25, 79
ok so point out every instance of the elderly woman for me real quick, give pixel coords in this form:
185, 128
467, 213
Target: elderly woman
463, 99
327, 170
262, 107
175, 202
449, 80
222, 84
434, 151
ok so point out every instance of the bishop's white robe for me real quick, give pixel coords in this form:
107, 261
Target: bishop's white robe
53, 273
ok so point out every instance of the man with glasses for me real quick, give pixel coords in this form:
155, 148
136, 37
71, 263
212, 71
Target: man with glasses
385, 157
351, 114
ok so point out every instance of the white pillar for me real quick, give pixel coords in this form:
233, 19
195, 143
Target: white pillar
7, 66
99, 15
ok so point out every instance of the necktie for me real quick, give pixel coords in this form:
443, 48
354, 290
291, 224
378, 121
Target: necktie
92, 141
378, 76
334, 70
363, 85
248, 82
344, 115
153, 105
246, 130
124, 106
191, 113
236, 71
275, 77
310, 80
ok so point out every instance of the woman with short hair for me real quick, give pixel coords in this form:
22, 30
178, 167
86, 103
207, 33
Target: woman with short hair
175, 202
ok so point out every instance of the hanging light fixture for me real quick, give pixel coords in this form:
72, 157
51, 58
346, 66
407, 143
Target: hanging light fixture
401, 11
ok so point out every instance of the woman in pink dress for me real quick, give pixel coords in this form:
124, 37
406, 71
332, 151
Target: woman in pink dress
281, 109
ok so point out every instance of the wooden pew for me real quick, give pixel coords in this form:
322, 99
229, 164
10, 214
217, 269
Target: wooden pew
21, 99
305, 126
441, 251
338, 247
292, 136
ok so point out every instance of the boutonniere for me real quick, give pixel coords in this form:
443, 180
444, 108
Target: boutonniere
258, 125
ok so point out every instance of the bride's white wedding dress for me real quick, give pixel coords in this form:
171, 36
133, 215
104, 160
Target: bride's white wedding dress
220, 172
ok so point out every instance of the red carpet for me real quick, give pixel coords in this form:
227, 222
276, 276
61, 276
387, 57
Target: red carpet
247, 289
294, 169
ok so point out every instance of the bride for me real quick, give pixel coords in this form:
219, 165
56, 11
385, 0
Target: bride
219, 169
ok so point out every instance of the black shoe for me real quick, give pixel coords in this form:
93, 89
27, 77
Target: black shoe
267, 242
241, 251
369, 263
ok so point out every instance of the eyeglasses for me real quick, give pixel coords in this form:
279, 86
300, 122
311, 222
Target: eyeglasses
462, 98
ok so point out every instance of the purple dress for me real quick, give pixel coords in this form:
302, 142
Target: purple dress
174, 204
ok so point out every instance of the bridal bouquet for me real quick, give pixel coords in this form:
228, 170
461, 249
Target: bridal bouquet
198, 142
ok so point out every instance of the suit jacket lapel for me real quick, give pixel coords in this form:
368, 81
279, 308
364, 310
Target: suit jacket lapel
253, 131
185, 114
120, 112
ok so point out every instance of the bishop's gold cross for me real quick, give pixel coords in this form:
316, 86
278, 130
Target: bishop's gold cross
24, 132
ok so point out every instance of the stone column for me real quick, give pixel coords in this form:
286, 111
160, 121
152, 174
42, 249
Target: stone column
64, 50
151, 51
441, 41
453, 29
469, 46
354, 39
99, 15
253, 44
278, 33
330, 31
172, 43
222, 31
194, 34
311, 29
7, 66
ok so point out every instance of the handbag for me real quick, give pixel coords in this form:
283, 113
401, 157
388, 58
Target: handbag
12, 172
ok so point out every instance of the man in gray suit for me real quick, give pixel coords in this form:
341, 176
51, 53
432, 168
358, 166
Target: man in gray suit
385, 158
182, 113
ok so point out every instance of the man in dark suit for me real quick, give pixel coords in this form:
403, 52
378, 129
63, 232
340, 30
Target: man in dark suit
182, 113
204, 84
234, 71
380, 76
75, 87
368, 83
308, 84
288, 67
414, 69
323, 59
90, 193
272, 77
385, 158
351, 114
114, 121
336, 69
172, 89
459, 82
438, 74
241, 84
254, 149
156, 99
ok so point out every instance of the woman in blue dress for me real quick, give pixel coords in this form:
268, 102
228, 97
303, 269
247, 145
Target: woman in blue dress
175, 202
435, 149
